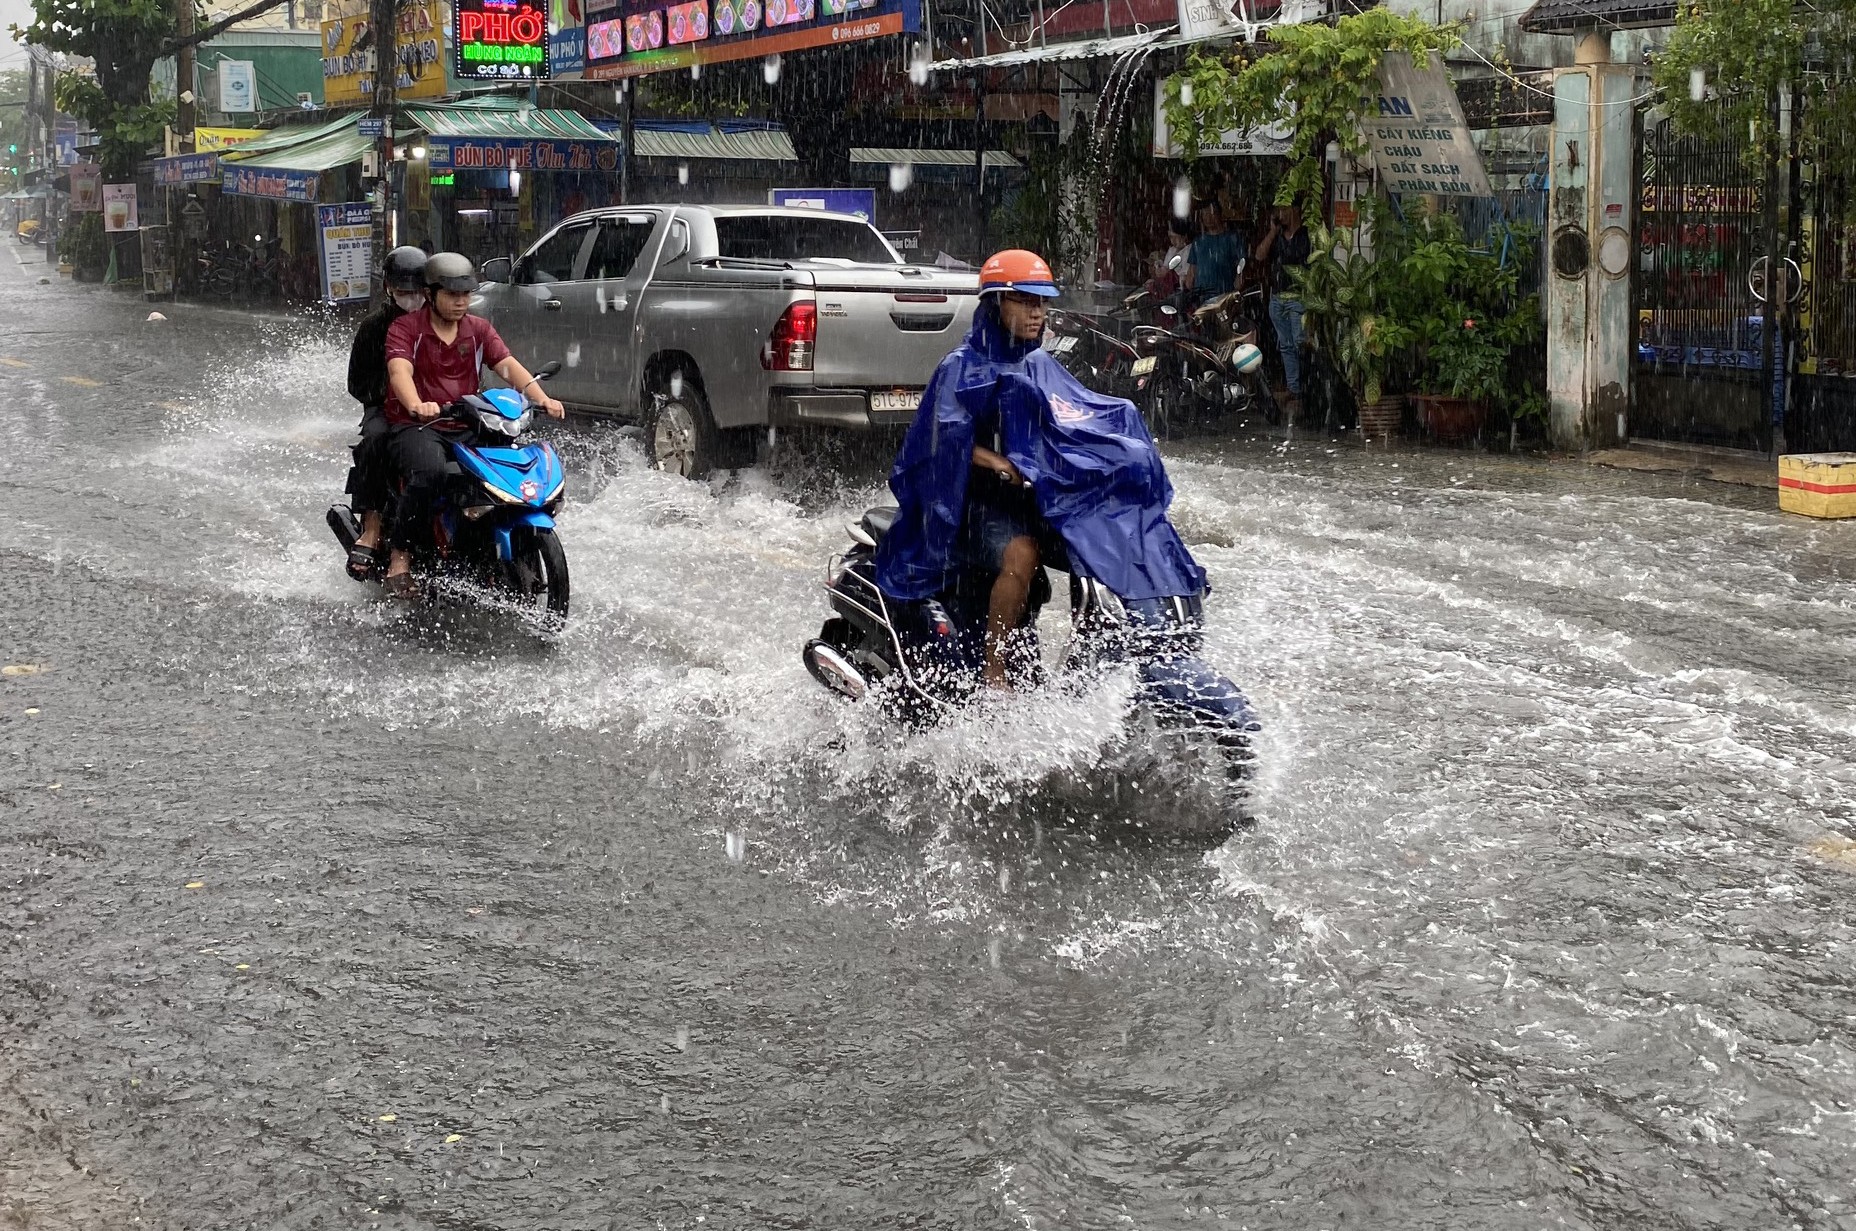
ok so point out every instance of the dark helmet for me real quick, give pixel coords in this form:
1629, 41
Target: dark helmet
404, 269
450, 271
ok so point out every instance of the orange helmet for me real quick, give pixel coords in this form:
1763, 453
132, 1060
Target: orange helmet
1017, 270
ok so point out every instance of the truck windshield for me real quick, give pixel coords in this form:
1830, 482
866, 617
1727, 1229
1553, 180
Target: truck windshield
766, 237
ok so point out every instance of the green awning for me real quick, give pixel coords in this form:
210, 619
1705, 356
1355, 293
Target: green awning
931, 158
296, 134
765, 145
518, 124
336, 148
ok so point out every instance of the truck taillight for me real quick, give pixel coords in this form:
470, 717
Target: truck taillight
789, 347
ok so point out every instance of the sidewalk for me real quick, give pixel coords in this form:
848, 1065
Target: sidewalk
1734, 466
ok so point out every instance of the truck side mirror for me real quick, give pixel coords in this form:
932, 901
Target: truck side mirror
498, 269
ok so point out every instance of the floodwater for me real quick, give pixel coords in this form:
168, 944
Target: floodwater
319, 914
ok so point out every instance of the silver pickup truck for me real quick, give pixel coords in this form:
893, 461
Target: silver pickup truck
713, 323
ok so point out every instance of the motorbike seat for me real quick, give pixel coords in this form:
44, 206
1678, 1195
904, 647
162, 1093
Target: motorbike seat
1213, 307
877, 522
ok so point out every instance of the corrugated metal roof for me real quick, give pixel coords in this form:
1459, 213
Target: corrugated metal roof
931, 158
1081, 49
516, 125
765, 145
331, 149
296, 134
1568, 16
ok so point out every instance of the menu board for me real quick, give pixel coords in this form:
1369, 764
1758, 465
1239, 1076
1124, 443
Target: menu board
652, 36
346, 234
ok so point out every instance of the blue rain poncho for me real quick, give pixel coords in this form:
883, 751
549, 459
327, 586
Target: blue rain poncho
1089, 459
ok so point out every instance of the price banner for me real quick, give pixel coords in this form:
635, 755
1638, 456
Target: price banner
346, 236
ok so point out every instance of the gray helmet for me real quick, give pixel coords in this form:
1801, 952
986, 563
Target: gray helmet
451, 271
404, 269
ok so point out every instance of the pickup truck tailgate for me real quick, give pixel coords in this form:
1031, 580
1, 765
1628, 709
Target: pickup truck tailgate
886, 327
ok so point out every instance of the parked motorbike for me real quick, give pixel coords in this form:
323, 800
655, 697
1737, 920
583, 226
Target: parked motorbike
923, 660
1202, 367
1097, 358
493, 524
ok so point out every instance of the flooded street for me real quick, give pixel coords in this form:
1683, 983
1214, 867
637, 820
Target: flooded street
321, 914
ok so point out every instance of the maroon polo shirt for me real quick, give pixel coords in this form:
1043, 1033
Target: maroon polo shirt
441, 373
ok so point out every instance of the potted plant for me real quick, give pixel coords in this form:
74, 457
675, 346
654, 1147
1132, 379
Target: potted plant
1347, 297
82, 244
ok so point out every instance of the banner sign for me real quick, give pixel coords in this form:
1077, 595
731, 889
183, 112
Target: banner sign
1419, 137
567, 53
1232, 143
268, 182
238, 86
520, 154
348, 72
187, 169
649, 36
119, 212
345, 236
500, 40
858, 201
87, 187
211, 140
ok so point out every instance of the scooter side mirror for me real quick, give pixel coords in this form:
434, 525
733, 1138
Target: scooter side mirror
1167, 309
1176, 262
547, 369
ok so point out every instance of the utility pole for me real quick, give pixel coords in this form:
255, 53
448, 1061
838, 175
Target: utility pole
385, 31
185, 78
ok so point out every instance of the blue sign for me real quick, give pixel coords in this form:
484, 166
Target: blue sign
67, 146
269, 182
858, 201
520, 154
567, 52
373, 127
187, 169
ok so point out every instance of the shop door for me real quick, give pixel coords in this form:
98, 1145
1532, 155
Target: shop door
1697, 374
535, 325
599, 311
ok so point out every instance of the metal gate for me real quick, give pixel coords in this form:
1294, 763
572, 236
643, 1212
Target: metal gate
1697, 376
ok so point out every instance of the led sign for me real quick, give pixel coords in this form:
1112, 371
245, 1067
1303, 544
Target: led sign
654, 36
501, 40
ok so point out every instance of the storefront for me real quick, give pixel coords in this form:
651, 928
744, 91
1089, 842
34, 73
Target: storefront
271, 188
487, 179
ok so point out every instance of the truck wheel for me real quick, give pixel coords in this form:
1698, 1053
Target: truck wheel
680, 436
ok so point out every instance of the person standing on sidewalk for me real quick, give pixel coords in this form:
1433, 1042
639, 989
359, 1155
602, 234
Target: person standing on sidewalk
1285, 246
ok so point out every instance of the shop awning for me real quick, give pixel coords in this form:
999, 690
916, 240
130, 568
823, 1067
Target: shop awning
763, 144
336, 148
931, 158
1080, 49
295, 134
517, 124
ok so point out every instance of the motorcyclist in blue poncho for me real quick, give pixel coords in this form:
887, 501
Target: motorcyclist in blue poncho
1012, 463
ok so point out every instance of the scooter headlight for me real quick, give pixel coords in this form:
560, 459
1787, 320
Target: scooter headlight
496, 425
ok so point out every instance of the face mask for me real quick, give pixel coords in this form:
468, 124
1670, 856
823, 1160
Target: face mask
408, 301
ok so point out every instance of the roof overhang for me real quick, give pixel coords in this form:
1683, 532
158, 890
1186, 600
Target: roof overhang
1578, 16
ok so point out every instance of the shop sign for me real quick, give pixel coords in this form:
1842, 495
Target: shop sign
212, 140
514, 153
1233, 143
187, 169
238, 86
348, 71
269, 182
345, 236
119, 213
500, 40
567, 53
904, 241
87, 187
858, 201
650, 38
1418, 135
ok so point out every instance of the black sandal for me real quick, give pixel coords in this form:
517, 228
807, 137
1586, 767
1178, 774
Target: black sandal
365, 563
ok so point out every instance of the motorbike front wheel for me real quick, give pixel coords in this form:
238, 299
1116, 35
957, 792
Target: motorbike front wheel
538, 575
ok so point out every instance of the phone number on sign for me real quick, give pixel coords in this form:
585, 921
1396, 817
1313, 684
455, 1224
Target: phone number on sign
867, 29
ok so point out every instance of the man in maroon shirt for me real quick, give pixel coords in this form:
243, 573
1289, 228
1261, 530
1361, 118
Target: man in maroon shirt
434, 358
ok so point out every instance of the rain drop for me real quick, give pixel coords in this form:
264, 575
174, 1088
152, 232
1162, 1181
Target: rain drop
992, 951
1185, 94
1005, 880
918, 65
683, 1038
1182, 198
901, 175
663, 1103
695, 72
770, 68
683, 173
737, 847
573, 354
676, 391
1697, 83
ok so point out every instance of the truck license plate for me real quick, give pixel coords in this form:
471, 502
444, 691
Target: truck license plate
1060, 343
896, 400
1146, 364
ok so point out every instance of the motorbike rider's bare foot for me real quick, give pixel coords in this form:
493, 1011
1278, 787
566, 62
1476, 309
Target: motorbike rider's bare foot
995, 678
373, 525
399, 582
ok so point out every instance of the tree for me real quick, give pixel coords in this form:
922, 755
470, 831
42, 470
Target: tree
1728, 62
122, 39
1318, 77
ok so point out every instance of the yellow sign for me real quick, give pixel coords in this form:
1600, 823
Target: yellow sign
208, 140
348, 75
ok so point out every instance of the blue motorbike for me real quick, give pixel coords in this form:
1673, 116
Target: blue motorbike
493, 524
923, 660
